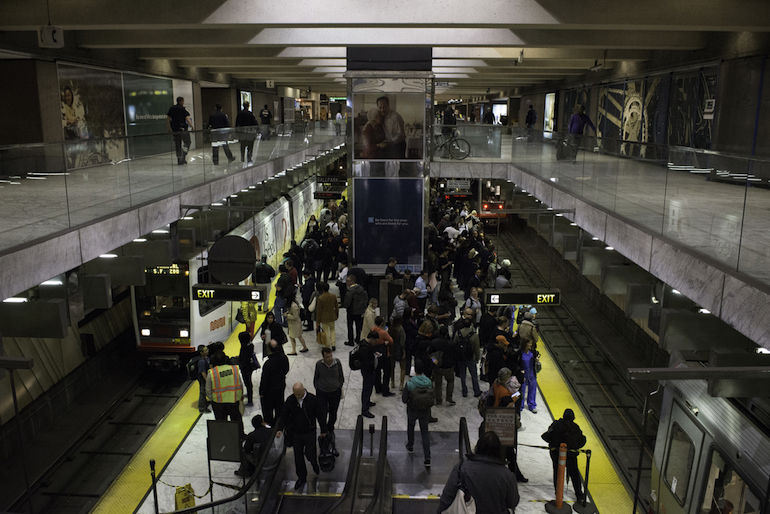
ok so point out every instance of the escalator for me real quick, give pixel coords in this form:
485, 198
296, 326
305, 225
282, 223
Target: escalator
432, 483
369, 485
344, 490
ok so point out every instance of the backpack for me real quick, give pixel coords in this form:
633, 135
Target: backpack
192, 367
486, 400
464, 346
354, 358
422, 398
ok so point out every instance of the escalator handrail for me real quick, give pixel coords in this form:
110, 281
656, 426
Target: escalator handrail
465, 441
242, 491
382, 460
351, 481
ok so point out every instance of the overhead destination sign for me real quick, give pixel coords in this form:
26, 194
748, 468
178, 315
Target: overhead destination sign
330, 180
327, 195
524, 297
228, 293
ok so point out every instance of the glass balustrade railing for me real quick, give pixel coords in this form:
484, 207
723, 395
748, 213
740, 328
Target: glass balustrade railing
474, 141
708, 201
48, 188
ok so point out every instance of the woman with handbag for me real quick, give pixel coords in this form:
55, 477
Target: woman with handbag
484, 478
295, 327
271, 329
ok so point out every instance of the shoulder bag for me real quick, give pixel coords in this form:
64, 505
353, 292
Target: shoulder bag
463, 502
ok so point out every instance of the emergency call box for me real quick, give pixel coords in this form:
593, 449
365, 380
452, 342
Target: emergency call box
523, 297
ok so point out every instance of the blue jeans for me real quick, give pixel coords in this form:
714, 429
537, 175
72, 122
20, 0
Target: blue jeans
470, 366
278, 306
411, 418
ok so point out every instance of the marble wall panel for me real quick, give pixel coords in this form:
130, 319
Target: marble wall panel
543, 191
633, 243
222, 188
591, 219
158, 214
499, 170
51, 257
106, 235
747, 309
696, 279
200, 195
514, 174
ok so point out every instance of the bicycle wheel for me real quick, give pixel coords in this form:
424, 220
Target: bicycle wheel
459, 149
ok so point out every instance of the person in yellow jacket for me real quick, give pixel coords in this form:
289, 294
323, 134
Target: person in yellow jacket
249, 310
224, 389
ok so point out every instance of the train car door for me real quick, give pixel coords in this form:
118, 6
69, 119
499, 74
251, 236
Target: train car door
684, 441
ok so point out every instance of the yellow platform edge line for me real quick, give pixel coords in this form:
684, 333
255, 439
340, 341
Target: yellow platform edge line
605, 485
134, 483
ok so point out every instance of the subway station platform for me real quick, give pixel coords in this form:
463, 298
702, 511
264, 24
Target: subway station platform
179, 445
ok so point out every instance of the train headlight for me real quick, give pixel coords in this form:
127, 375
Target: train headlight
146, 332
184, 333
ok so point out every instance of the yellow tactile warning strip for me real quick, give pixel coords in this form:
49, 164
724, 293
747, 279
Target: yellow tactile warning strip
606, 487
128, 490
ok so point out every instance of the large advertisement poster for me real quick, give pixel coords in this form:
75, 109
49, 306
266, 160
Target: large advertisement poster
388, 221
147, 101
92, 115
388, 126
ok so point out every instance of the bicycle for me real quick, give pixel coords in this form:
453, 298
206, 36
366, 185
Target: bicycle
456, 147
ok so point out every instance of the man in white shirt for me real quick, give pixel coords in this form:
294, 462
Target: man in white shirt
452, 232
421, 285
395, 136
332, 225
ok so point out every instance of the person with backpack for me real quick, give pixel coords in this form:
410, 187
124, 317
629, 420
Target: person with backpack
565, 430
202, 369
419, 397
468, 351
263, 275
363, 358
445, 365
355, 304
248, 363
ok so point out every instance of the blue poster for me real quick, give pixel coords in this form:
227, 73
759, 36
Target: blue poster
388, 215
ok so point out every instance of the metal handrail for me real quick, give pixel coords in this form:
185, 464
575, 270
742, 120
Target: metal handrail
382, 460
465, 441
243, 490
351, 480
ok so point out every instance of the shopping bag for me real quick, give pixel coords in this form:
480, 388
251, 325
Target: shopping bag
320, 336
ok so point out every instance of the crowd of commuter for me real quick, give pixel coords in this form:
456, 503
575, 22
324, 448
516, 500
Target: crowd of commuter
430, 336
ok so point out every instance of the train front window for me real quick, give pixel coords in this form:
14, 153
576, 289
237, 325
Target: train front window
725, 491
681, 453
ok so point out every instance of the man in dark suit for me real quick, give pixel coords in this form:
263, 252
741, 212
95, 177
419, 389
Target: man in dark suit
298, 418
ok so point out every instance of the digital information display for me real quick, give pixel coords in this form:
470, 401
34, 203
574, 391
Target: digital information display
327, 195
524, 297
228, 293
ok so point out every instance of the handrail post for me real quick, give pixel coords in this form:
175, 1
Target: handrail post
154, 484
582, 507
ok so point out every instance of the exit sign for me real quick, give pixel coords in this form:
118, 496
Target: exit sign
228, 293
523, 297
